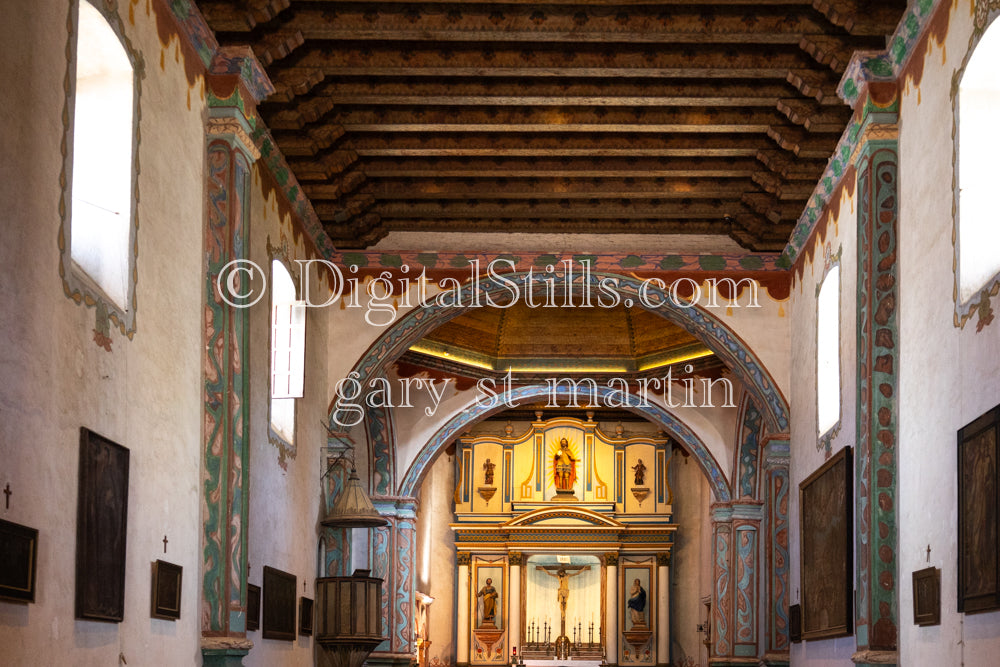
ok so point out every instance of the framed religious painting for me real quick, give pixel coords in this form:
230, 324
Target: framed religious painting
101, 522
253, 607
279, 605
18, 562
927, 596
978, 514
826, 503
166, 593
305, 616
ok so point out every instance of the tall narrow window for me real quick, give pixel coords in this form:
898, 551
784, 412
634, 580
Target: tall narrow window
288, 335
828, 351
978, 139
102, 156
100, 168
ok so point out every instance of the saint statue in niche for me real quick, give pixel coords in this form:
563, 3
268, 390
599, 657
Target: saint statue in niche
489, 596
637, 605
564, 467
640, 473
488, 468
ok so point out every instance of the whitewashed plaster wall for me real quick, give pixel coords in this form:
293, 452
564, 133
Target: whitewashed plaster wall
948, 376
284, 489
145, 394
808, 453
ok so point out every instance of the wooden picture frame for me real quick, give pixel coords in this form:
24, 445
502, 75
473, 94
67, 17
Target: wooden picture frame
305, 616
795, 623
165, 598
18, 562
927, 596
979, 514
101, 527
253, 607
826, 503
279, 605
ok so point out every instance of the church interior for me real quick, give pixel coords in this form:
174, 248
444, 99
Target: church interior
458, 333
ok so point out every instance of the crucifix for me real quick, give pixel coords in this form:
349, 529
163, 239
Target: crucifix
563, 574
7, 492
165, 544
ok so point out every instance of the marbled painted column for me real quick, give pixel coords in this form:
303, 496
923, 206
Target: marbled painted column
663, 609
462, 625
514, 598
226, 381
877, 411
722, 595
611, 610
393, 553
747, 515
776, 645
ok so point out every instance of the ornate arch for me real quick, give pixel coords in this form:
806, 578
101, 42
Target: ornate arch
718, 337
476, 413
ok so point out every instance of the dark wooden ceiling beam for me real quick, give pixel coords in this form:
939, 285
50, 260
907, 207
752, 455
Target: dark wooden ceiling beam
814, 117
678, 145
593, 210
329, 165
550, 24
531, 188
862, 17
803, 143
469, 91
244, 16
529, 119
343, 186
661, 61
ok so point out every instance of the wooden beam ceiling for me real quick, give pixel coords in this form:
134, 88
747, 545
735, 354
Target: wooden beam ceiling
586, 116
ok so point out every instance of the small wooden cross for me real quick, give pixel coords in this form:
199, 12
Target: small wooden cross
165, 540
928, 553
7, 493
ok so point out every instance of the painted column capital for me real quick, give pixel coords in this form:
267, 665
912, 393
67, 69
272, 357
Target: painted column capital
663, 559
611, 559
515, 558
463, 558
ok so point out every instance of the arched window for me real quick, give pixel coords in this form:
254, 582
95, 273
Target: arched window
288, 334
98, 230
978, 143
828, 351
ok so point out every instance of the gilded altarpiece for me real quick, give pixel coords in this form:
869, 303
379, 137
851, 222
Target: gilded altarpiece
556, 521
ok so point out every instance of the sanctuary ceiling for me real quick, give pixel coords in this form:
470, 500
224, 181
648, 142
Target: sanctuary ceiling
700, 117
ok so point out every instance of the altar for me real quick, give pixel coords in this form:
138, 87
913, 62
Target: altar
564, 537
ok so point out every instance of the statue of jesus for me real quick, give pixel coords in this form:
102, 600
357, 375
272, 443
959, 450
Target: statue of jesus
562, 573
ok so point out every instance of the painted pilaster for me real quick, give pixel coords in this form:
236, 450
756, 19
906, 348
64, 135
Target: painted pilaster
393, 553
236, 84
876, 540
663, 609
722, 596
514, 598
776, 459
462, 626
611, 612
747, 517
